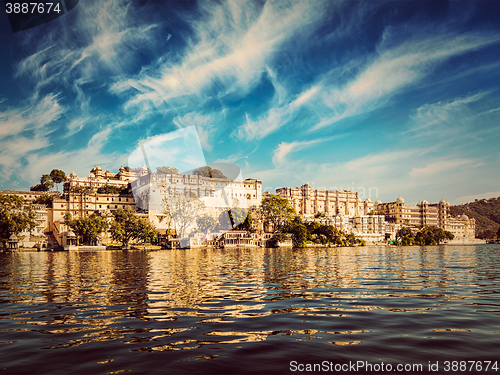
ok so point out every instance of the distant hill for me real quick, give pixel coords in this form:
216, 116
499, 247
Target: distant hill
485, 211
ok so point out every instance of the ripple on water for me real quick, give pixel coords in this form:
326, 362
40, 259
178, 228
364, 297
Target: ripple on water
252, 311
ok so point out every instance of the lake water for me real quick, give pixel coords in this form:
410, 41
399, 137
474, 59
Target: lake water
265, 311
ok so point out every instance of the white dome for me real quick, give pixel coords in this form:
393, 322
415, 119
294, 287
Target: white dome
464, 218
400, 200
377, 202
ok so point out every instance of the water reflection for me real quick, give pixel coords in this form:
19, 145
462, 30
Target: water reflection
201, 305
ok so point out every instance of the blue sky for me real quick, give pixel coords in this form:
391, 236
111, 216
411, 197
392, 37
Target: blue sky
384, 98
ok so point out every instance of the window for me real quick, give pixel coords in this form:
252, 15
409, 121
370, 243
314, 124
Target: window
116, 206
100, 206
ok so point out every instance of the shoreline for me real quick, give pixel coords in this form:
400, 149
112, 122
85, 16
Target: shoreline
161, 248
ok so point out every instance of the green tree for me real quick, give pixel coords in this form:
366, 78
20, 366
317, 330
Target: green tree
208, 172
111, 189
449, 235
488, 234
15, 216
224, 221
79, 189
39, 187
277, 211
333, 235
87, 228
298, 231
127, 226
404, 234
45, 199
57, 176
233, 218
247, 223
45, 184
184, 208
206, 223
167, 170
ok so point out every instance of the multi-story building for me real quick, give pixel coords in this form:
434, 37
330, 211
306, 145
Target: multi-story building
151, 189
308, 202
461, 227
98, 178
427, 214
423, 214
342, 209
84, 204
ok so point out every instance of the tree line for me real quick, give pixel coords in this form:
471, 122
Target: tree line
283, 219
126, 226
16, 216
424, 236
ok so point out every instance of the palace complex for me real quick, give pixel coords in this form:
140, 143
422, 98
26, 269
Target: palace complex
343, 209
309, 202
427, 214
145, 192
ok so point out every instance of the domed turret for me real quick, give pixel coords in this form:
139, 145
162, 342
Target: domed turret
377, 202
464, 217
424, 202
443, 202
400, 200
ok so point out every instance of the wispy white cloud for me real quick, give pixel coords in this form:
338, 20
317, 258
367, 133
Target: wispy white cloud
441, 166
34, 115
284, 149
180, 149
444, 117
276, 117
79, 161
205, 125
231, 45
411, 172
394, 69
101, 39
11, 153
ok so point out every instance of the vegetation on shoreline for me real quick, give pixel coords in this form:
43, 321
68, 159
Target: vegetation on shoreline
87, 228
425, 236
486, 212
281, 216
15, 216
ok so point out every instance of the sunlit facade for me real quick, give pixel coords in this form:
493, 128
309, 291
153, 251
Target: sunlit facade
308, 202
427, 214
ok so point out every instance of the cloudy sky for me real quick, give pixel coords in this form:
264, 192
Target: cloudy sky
385, 98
